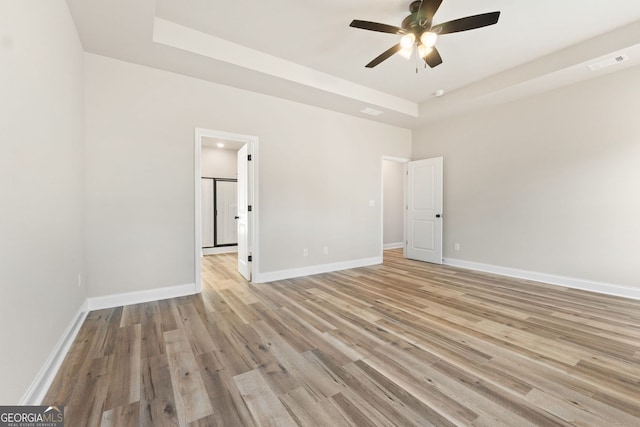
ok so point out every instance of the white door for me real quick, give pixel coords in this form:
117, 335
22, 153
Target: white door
424, 210
243, 220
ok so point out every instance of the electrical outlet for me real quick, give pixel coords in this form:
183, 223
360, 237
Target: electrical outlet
79, 280
305, 252
372, 203
456, 246
325, 250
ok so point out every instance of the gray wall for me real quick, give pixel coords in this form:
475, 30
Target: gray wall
547, 184
393, 191
41, 182
318, 170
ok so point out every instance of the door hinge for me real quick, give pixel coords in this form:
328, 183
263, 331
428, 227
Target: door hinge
250, 258
249, 208
249, 157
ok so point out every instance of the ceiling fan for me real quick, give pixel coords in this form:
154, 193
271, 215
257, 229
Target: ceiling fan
418, 30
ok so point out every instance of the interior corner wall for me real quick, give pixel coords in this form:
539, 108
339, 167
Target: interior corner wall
546, 184
393, 195
318, 172
41, 182
219, 163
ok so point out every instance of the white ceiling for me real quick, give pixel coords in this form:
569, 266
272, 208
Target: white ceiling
306, 51
228, 144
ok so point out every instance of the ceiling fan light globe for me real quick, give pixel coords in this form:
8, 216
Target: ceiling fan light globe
424, 51
406, 53
407, 41
428, 39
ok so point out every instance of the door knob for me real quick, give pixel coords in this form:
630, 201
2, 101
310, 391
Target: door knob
237, 217
438, 216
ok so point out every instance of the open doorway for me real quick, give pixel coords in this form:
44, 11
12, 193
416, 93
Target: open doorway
393, 202
219, 181
220, 157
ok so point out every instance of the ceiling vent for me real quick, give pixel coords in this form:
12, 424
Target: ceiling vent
608, 62
371, 111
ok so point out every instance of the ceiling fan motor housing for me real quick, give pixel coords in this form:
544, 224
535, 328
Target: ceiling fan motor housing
415, 23
415, 6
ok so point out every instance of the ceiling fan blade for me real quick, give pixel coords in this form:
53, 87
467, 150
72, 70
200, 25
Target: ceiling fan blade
384, 56
433, 59
468, 23
428, 8
376, 26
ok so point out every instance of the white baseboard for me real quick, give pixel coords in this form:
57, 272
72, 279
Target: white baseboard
222, 250
138, 297
314, 269
40, 385
569, 282
387, 246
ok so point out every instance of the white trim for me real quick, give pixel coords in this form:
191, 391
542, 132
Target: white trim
569, 282
315, 269
197, 183
255, 183
398, 245
220, 250
190, 40
396, 159
253, 218
138, 297
41, 383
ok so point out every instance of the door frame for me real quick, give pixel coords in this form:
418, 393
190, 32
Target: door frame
199, 133
403, 160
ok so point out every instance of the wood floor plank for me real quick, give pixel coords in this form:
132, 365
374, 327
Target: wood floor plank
229, 408
168, 315
86, 405
237, 358
479, 395
157, 405
192, 402
402, 343
122, 416
423, 388
209, 421
306, 410
570, 413
266, 408
349, 409
77, 360
125, 369
109, 321
131, 315
381, 400
295, 365
152, 335
195, 330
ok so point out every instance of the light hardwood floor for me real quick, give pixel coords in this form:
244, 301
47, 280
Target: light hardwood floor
401, 344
